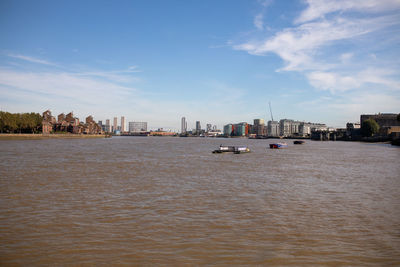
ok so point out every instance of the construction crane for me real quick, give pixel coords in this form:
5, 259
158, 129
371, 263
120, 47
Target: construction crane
270, 110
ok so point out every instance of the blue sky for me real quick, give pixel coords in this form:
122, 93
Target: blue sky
213, 61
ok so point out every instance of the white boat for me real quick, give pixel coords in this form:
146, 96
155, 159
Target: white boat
234, 149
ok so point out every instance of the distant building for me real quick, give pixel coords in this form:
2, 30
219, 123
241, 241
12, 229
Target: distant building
387, 122
115, 124
285, 127
228, 129
91, 127
183, 125
241, 129
305, 128
61, 117
71, 119
122, 124
137, 127
198, 127
69, 124
259, 128
108, 126
383, 119
48, 122
273, 128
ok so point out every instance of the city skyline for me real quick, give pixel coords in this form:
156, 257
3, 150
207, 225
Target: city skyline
321, 61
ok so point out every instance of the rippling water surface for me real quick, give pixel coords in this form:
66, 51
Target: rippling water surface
152, 200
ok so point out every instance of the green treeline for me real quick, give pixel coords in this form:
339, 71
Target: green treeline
20, 122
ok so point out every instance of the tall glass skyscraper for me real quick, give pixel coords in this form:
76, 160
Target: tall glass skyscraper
198, 127
183, 125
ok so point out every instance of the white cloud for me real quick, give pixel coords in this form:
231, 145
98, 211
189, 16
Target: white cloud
309, 46
338, 82
62, 84
317, 9
332, 81
346, 57
258, 21
298, 46
32, 59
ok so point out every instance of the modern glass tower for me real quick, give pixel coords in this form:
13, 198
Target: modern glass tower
198, 127
183, 125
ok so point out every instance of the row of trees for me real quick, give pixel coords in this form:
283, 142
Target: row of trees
20, 122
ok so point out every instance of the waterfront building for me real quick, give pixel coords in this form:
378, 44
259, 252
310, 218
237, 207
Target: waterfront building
305, 128
61, 117
228, 130
383, 119
259, 128
48, 122
183, 125
69, 124
71, 119
115, 124
198, 127
137, 127
273, 128
122, 124
108, 126
285, 127
241, 129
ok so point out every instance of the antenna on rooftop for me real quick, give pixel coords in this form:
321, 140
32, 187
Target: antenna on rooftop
270, 110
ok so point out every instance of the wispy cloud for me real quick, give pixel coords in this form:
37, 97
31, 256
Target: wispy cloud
309, 45
32, 59
64, 84
258, 21
318, 9
259, 18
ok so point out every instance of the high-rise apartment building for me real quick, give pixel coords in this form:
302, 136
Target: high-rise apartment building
183, 125
115, 124
122, 124
198, 127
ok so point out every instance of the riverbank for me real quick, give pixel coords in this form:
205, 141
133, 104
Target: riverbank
47, 136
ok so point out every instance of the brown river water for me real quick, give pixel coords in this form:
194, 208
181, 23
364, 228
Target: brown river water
150, 201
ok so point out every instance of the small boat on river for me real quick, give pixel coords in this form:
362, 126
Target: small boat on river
299, 142
234, 149
241, 149
277, 145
